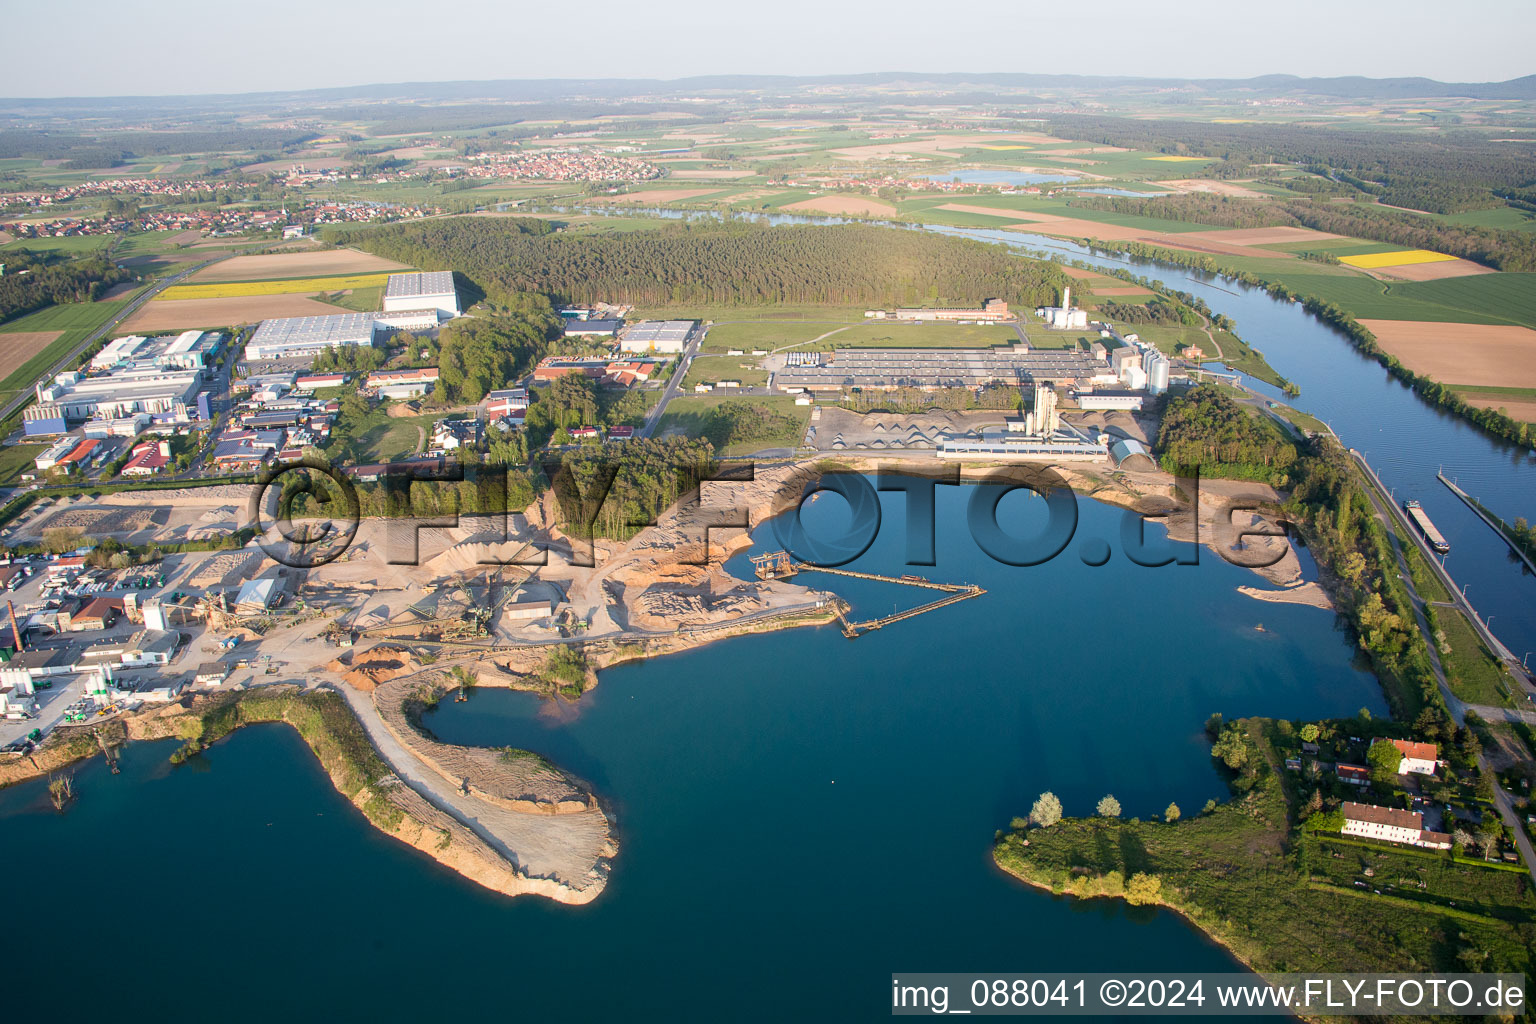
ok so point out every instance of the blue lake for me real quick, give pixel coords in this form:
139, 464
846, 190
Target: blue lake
800, 814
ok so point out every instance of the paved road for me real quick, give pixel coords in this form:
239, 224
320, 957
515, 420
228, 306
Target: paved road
21, 398
674, 384
1382, 501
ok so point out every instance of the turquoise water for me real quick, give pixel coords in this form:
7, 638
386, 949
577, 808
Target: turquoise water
800, 814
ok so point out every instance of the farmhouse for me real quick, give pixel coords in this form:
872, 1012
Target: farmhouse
1391, 825
1354, 774
512, 402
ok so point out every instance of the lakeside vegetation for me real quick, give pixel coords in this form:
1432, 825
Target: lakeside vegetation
1205, 427
1278, 898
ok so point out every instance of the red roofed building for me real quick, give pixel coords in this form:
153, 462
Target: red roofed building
81, 452
1354, 774
148, 459
1418, 758
628, 374
101, 613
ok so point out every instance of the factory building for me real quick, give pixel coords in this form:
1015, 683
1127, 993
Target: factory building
291, 337
137, 389
667, 336
991, 311
1117, 398
1064, 317
932, 369
189, 350
583, 328
421, 291
41, 419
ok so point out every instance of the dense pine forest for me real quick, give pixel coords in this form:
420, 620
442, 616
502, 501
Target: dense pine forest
1446, 172
717, 264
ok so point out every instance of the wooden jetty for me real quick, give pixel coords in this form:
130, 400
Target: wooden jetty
778, 565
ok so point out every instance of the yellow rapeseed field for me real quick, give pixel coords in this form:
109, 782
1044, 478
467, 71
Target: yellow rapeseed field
1401, 258
1178, 159
294, 286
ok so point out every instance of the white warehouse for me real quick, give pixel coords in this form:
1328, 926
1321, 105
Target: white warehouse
409, 292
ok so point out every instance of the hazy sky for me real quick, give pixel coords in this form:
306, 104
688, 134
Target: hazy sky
133, 47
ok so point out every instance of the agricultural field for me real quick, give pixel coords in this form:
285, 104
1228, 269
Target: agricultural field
186, 314
1516, 403
286, 286
1476, 355
296, 266
69, 325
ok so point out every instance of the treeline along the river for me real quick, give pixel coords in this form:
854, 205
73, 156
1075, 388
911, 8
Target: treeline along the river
718, 264
1504, 250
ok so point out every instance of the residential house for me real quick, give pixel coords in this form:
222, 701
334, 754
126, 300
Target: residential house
1353, 774
1417, 758
1391, 825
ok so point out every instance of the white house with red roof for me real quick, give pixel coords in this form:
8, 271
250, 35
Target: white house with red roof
1417, 758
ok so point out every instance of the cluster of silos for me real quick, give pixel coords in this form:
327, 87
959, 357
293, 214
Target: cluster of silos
1157, 366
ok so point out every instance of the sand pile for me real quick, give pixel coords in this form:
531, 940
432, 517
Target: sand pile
374, 666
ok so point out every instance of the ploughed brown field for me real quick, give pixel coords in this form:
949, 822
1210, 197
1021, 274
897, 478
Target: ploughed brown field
1263, 236
185, 314
1479, 355
860, 205
274, 266
1523, 411
1431, 271
17, 348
